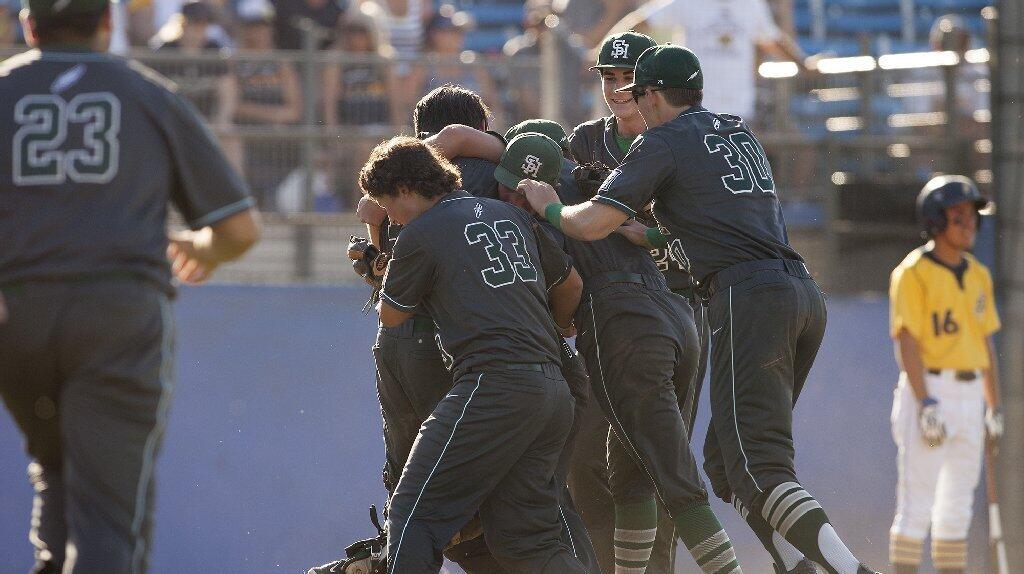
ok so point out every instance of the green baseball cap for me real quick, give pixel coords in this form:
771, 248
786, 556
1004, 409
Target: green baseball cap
529, 156
547, 127
51, 8
622, 50
667, 66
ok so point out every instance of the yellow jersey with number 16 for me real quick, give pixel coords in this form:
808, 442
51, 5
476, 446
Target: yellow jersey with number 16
949, 311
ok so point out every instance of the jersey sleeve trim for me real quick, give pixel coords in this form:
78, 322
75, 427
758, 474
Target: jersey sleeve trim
223, 213
615, 203
561, 279
391, 301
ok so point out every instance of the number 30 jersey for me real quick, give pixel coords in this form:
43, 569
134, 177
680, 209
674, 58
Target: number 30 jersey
949, 311
97, 148
481, 269
712, 189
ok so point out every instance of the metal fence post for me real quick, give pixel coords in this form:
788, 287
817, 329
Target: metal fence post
303, 232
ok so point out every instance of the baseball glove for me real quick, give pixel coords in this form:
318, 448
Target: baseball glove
362, 557
590, 176
369, 263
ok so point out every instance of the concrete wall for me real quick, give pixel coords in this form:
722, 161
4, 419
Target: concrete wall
273, 451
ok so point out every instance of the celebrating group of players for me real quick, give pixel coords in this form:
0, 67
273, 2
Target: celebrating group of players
505, 451
482, 269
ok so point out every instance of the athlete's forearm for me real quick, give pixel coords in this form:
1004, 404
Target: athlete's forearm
228, 239
909, 357
590, 221
463, 141
991, 374
564, 298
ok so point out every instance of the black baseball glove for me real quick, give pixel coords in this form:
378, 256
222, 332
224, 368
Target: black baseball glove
369, 263
590, 176
363, 557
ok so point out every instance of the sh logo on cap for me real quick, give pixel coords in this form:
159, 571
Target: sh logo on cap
620, 48
531, 165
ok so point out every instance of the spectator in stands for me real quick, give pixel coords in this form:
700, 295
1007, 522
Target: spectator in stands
356, 93
187, 33
445, 40
591, 19
290, 194
725, 35
260, 92
287, 28
399, 24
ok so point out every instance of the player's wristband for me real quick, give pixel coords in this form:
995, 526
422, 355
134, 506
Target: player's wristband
553, 213
656, 238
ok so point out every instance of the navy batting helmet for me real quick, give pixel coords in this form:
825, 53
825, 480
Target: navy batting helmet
942, 192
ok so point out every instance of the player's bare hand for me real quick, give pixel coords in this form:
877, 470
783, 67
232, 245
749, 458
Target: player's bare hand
538, 193
3, 310
187, 262
635, 232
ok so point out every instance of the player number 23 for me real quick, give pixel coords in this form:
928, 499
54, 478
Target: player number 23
505, 247
44, 119
749, 166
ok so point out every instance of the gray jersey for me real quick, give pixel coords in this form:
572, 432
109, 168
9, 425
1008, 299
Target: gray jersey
712, 189
478, 176
481, 269
611, 254
99, 146
594, 142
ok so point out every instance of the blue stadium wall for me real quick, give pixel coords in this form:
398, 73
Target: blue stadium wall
273, 451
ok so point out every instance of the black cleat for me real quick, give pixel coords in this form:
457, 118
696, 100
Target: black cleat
805, 566
864, 569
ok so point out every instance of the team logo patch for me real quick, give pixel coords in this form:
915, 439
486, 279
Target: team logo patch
478, 210
620, 49
531, 165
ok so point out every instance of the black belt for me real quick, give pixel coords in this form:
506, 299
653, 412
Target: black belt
417, 326
603, 280
503, 366
962, 376
733, 274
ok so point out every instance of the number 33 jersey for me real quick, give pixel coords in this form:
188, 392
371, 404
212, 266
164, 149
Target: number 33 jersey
481, 269
949, 311
96, 148
712, 189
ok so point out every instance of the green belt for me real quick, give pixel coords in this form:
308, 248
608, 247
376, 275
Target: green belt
422, 324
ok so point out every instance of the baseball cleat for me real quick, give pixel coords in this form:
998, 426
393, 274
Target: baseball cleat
805, 566
864, 569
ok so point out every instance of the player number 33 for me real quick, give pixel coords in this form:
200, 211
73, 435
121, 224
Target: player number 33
505, 247
44, 121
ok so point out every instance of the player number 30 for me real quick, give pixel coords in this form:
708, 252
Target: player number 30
44, 120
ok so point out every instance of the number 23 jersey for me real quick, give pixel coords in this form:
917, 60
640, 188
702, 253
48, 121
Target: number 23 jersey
481, 269
712, 189
950, 312
96, 147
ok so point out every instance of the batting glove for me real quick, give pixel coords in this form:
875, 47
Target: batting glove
994, 423
933, 430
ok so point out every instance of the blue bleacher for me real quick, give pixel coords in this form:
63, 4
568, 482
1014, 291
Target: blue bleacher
496, 21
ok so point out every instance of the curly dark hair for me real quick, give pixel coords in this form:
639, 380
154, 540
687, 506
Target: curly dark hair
407, 162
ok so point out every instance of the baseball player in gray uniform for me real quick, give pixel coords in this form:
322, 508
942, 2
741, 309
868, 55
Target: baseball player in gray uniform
99, 147
495, 289
716, 203
602, 143
640, 347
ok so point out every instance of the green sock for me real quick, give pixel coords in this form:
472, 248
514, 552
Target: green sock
707, 541
636, 527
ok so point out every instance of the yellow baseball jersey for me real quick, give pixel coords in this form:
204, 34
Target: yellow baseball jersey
950, 312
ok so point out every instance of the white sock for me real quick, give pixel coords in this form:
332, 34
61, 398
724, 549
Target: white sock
835, 552
787, 552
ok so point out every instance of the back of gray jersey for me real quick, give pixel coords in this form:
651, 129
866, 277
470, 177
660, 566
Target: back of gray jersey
481, 269
99, 147
477, 176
